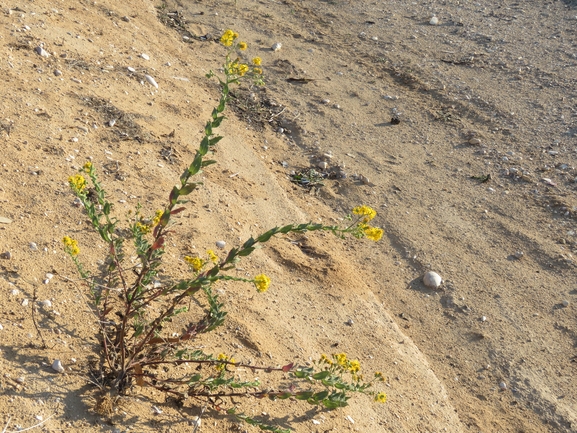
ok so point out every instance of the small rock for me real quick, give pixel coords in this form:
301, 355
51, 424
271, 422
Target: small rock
484, 319
1, 327
4, 220
112, 122
565, 303
474, 141
503, 386
33, 246
350, 322
46, 304
315, 422
24, 303
432, 280
151, 81
326, 101
20, 379
57, 366
322, 165
6, 255
434, 21
350, 419
57, 72
145, 56
276, 46
125, 19
280, 130
131, 69
220, 244
519, 255
42, 52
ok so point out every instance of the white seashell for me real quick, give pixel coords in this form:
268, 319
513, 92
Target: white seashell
131, 69
220, 244
432, 280
434, 21
57, 366
503, 385
145, 56
322, 165
47, 303
276, 46
25, 303
151, 81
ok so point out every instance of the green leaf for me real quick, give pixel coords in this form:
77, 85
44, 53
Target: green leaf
203, 149
216, 122
187, 189
246, 251
196, 164
174, 195
214, 140
266, 236
304, 395
214, 113
321, 375
303, 372
165, 218
221, 104
208, 162
106, 209
208, 129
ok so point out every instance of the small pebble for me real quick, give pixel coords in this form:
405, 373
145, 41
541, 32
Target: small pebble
57, 72
484, 319
47, 303
276, 46
280, 130
151, 81
1, 327
111, 122
474, 141
350, 322
20, 379
145, 56
434, 21
125, 19
6, 255
503, 385
33, 246
57, 366
565, 303
432, 280
220, 244
519, 255
25, 303
131, 69
42, 52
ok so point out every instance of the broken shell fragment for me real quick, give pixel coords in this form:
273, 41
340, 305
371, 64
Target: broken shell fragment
432, 280
57, 366
276, 46
151, 81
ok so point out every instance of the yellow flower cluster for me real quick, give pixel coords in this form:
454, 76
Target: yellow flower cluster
70, 246
77, 183
242, 46
223, 357
142, 228
372, 233
239, 69
257, 61
380, 376
195, 262
368, 212
228, 38
157, 216
87, 168
213, 257
381, 397
262, 282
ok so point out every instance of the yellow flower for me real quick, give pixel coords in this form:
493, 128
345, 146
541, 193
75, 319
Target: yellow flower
142, 228
341, 359
325, 359
379, 375
228, 38
213, 257
87, 167
257, 71
241, 69
195, 262
367, 211
257, 61
242, 46
262, 282
77, 183
70, 246
354, 366
381, 397
157, 216
223, 357
373, 233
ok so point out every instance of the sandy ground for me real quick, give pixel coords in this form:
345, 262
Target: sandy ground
489, 90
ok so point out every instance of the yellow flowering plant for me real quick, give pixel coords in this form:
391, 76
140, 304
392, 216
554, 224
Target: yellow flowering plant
133, 303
